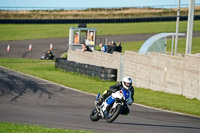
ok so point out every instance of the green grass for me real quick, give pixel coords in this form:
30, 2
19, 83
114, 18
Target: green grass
135, 46
32, 31
21, 128
132, 46
35, 31
182, 45
166, 101
64, 55
46, 70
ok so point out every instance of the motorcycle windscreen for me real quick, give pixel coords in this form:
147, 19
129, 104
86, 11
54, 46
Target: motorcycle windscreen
126, 93
110, 100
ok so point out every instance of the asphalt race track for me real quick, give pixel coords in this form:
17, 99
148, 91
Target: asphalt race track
20, 49
25, 99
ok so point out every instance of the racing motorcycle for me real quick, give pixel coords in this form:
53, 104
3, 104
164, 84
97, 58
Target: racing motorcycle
112, 106
47, 56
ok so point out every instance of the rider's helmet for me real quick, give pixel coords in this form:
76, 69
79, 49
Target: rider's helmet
127, 83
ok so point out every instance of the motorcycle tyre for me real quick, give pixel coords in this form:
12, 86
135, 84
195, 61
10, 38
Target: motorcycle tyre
94, 116
116, 114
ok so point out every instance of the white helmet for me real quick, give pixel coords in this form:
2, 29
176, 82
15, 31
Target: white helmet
127, 82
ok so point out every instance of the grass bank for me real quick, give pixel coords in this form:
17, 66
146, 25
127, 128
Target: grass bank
46, 70
19, 128
35, 31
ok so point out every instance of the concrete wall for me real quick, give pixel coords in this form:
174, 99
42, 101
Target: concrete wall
160, 72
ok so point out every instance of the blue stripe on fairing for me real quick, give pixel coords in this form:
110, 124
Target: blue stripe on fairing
110, 100
97, 97
125, 93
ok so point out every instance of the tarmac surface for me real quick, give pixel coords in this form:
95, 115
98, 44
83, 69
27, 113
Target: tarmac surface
20, 49
28, 100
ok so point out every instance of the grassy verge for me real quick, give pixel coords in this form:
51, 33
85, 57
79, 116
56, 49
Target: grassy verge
46, 70
19, 128
35, 31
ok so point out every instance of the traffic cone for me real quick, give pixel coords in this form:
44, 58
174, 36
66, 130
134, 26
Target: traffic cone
30, 47
8, 48
51, 46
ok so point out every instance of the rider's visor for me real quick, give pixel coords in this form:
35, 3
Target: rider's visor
128, 84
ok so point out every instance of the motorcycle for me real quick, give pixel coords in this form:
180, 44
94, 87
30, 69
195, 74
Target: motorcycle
47, 56
112, 106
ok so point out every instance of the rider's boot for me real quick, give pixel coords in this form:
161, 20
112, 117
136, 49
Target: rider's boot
106, 93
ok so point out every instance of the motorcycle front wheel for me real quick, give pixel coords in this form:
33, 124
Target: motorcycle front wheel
113, 113
94, 115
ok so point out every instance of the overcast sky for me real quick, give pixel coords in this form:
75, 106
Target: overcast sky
90, 3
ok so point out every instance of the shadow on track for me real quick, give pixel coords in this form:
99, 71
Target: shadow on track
155, 125
16, 86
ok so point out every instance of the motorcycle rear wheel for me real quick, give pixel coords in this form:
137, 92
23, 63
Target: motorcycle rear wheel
113, 114
94, 115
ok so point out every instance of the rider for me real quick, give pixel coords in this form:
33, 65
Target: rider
126, 83
49, 55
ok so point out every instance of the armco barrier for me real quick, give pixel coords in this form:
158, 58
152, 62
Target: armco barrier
103, 73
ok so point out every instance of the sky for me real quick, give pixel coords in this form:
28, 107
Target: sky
89, 3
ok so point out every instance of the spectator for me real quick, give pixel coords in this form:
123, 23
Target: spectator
113, 43
76, 38
114, 47
103, 48
91, 36
119, 47
86, 48
109, 48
